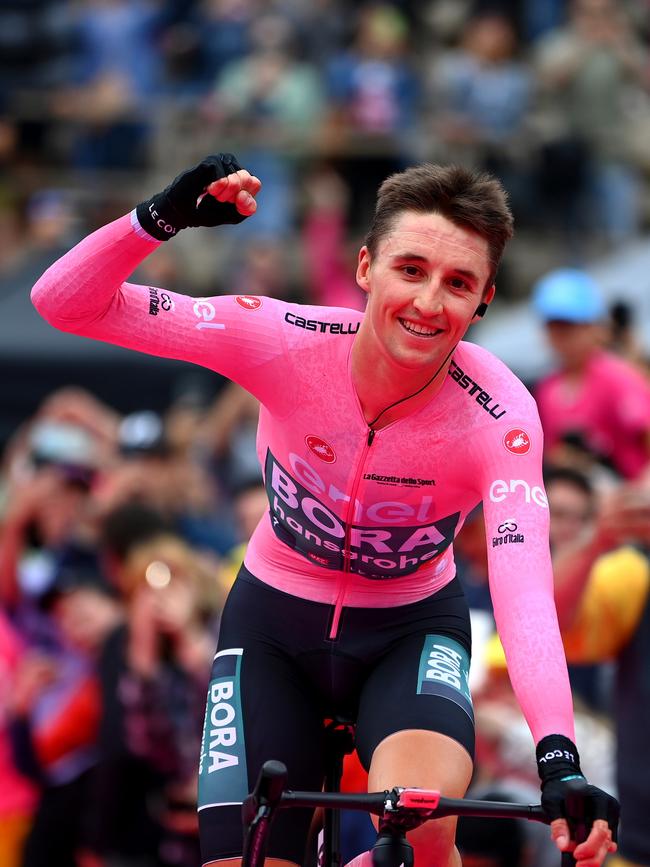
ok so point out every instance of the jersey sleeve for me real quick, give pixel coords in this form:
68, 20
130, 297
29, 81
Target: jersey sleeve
520, 574
611, 606
85, 292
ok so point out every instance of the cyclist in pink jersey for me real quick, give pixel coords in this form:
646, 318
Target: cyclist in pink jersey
379, 433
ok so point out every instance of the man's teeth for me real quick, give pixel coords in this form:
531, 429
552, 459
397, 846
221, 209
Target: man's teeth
418, 329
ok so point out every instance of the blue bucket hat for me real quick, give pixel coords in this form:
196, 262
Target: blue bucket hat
568, 295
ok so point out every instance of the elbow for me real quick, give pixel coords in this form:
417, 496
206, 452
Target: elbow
39, 296
42, 297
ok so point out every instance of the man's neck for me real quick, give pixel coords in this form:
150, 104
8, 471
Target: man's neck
380, 384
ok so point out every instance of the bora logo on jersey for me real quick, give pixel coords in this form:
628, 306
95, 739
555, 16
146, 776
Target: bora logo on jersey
386, 540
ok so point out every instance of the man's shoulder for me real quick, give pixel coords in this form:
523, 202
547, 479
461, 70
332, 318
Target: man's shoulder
313, 319
489, 371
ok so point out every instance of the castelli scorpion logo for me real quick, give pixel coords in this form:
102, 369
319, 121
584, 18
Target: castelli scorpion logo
320, 448
517, 441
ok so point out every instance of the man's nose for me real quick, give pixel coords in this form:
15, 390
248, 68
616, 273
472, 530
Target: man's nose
428, 300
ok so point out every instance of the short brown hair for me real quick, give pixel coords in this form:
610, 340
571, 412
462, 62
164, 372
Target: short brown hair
471, 199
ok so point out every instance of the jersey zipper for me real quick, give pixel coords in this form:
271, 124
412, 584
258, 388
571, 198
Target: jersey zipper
340, 596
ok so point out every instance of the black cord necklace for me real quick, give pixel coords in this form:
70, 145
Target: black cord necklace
415, 393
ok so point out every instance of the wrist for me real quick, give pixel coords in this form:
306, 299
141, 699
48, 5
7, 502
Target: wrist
157, 219
557, 758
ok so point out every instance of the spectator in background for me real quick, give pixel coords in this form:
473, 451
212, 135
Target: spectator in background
56, 708
573, 503
36, 53
117, 72
262, 265
470, 554
270, 89
50, 467
373, 87
48, 509
147, 652
224, 27
229, 433
271, 99
47, 227
593, 394
175, 482
18, 794
374, 96
481, 96
589, 70
603, 599
328, 256
623, 339
250, 505
323, 26
172, 603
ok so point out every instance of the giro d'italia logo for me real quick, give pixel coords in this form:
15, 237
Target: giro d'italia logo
248, 302
320, 448
517, 441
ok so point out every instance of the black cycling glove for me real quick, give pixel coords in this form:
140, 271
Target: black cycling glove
184, 203
565, 791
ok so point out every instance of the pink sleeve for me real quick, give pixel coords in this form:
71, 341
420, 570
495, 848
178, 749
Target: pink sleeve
84, 292
521, 579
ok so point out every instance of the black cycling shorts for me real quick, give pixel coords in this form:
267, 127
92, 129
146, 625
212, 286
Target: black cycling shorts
277, 676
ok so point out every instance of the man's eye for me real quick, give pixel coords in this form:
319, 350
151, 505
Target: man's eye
411, 270
458, 283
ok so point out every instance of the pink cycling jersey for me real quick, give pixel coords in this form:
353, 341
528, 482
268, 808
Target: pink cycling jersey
356, 517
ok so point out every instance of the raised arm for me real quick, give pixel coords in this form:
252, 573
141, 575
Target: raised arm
85, 292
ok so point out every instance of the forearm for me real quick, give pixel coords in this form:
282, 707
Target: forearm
528, 628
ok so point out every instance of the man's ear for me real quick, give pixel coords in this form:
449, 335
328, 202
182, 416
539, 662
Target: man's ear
363, 269
486, 300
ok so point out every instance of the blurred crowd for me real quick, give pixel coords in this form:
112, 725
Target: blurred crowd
102, 99
121, 532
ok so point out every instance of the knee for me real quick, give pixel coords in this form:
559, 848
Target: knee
433, 843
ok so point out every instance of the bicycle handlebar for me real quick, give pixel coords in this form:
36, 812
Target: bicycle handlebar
269, 794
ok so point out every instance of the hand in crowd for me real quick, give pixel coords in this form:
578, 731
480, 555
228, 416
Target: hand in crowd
79, 407
624, 517
29, 497
35, 673
159, 612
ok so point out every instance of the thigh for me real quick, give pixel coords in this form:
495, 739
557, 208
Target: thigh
421, 683
260, 706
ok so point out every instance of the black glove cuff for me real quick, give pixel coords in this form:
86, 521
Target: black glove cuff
557, 758
158, 218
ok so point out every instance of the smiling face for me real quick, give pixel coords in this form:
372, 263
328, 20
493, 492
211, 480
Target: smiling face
424, 284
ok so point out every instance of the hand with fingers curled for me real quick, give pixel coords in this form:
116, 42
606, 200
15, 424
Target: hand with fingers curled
584, 818
215, 192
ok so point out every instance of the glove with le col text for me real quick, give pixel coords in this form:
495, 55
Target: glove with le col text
185, 203
565, 791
